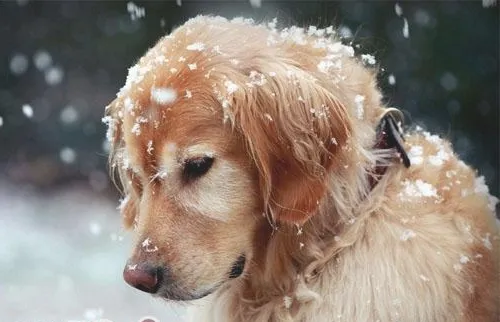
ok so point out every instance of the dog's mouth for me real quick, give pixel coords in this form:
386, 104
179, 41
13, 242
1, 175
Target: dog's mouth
175, 293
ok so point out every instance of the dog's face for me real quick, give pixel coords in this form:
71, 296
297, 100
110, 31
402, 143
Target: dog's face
209, 133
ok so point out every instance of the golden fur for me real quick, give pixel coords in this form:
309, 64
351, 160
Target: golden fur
289, 117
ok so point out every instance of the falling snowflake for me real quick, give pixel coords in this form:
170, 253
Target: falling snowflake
163, 96
27, 110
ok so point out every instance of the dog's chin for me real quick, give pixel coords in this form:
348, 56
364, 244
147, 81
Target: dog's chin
185, 296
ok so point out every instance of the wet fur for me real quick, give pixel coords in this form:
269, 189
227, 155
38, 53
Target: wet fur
320, 244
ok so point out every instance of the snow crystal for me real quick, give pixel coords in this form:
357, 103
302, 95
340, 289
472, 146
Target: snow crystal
192, 66
406, 30
150, 148
1, 121
268, 117
481, 188
334, 141
301, 245
69, 114
123, 202
148, 246
415, 154
18, 64
272, 74
392, 79
407, 234
174, 70
368, 59
417, 188
287, 301
197, 46
360, 110
67, 155
255, 3
398, 9
54, 75
95, 228
110, 122
489, 3
188, 94
178, 2
136, 129
487, 242
424, 278
439, 158
464, 259
135, 11
27, 110
42, 60
230, 87
448, 81
163, 95
93, 314
181, 59
345, 32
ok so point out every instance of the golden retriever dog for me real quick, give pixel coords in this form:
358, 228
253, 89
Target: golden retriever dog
263, 173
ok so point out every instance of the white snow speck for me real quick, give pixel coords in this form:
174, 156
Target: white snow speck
268, 117
448, 81
163, 95
406, 30
415, 154
42, 60
69, 114
464, 259
417, 189
54, 75
391, 79
256, 3
368, 59
487, 242
188, 94
345, 32
398, 9
148, 246
230, 87
135, 11
438, 159
178, 2
424, 278
360, 110
197, 46
489, 3
18, 64
407, 234
192, 66
27, 110
481, 188
67, 155
1, 121
93, 314
287, 301
95, 228
150, 148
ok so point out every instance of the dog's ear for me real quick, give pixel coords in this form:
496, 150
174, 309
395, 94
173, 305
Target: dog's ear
120, 174
295, 130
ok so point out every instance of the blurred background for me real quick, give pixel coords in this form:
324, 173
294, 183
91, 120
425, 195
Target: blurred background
61, 246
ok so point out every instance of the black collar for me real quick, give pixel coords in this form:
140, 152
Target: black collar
389, 136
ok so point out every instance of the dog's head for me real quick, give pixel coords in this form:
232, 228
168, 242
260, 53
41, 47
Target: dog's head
220, 127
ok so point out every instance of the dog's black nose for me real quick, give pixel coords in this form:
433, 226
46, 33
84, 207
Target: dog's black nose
144, 277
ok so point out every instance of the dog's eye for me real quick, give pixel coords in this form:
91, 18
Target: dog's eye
194, 168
